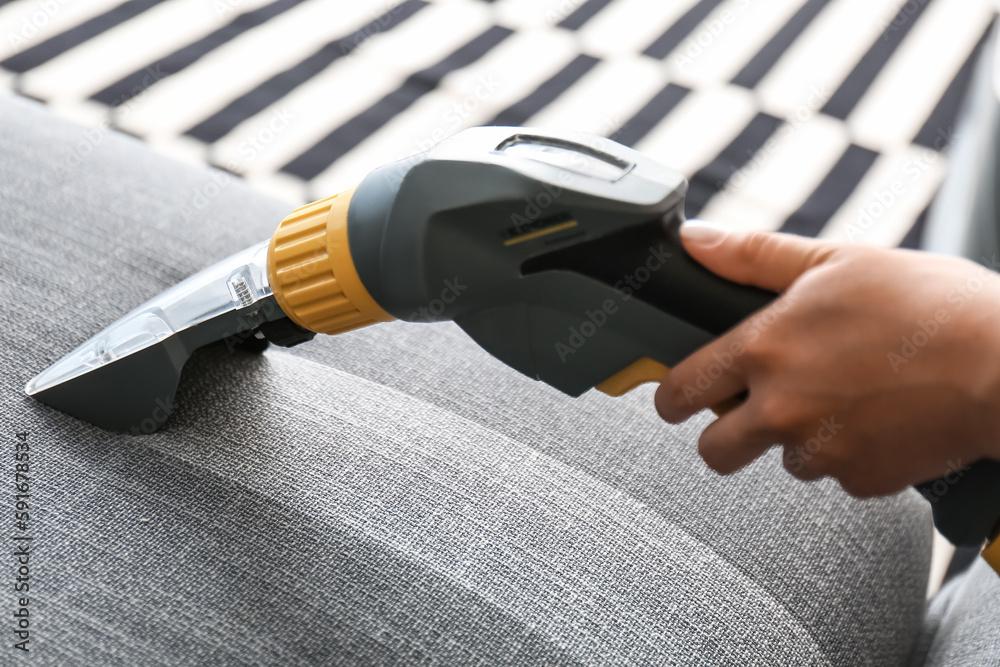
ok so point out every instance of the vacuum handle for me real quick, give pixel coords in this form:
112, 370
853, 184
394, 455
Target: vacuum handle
965, 501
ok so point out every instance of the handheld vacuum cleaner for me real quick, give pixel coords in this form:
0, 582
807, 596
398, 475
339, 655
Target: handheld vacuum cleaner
541, 232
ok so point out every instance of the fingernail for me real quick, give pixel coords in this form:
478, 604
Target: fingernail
704, 234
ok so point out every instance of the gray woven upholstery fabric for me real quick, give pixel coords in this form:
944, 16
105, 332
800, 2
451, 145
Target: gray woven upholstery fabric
963, 622
392, 495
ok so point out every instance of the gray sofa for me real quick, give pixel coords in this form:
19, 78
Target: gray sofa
394, 495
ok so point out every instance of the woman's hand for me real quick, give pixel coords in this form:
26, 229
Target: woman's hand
878, 367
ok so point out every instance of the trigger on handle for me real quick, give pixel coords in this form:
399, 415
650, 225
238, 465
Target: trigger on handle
646, 370
638, 372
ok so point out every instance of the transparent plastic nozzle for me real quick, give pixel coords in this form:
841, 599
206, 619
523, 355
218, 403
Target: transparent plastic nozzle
112, 378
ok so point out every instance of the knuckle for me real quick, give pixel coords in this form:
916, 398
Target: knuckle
859, 486
792, 462
803, 474
801, 465
777, 416
757, 351
822, 252
756, 246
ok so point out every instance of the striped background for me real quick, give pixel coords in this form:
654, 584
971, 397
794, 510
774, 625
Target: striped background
822, 117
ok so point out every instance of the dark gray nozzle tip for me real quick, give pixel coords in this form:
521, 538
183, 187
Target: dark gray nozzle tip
135, 394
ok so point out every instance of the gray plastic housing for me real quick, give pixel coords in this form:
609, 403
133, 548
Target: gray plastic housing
464, 232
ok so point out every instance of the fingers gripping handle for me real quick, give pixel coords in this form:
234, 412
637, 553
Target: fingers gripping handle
965, 502
681, 287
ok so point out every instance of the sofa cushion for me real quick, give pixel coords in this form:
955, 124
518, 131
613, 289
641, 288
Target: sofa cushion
390, 495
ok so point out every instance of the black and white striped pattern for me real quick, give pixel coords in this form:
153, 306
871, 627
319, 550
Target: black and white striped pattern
821, 117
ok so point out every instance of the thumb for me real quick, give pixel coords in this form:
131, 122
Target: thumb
765, 259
